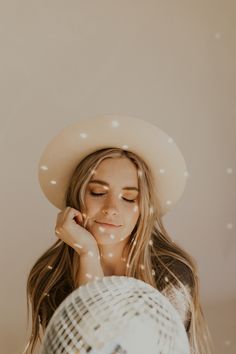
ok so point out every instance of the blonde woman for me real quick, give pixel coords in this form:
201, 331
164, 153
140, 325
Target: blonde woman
113, 178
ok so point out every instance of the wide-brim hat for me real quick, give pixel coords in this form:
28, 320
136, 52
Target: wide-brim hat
116, 314
159, 150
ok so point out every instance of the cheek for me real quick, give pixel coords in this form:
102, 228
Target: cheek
91, 203
135, 209
93, 211
133, 214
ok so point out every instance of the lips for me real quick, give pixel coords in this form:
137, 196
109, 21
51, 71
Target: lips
107, 224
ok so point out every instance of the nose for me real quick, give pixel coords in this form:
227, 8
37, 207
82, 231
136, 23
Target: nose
110, 207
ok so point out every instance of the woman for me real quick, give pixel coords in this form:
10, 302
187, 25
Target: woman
113, 185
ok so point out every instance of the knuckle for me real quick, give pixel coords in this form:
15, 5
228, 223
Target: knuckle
58, 229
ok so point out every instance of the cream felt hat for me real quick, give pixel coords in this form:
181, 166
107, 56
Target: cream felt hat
73, 143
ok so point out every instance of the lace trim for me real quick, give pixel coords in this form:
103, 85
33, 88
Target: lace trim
179, 298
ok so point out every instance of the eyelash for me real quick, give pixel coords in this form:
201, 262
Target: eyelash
98, 194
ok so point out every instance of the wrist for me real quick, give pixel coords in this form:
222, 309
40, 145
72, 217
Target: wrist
92, 253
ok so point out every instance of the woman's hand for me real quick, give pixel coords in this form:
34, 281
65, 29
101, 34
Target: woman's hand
70, 228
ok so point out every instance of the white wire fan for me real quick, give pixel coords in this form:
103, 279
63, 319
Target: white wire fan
115, 315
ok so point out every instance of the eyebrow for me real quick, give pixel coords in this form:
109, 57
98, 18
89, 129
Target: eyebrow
98, 181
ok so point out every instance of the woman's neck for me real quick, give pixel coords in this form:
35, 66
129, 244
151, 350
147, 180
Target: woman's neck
114, 257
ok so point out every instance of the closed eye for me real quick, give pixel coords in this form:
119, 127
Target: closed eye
98, 194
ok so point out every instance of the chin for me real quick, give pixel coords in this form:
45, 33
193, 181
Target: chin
105, 238
105, 242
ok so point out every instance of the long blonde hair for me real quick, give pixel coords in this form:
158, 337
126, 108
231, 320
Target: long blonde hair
54, 275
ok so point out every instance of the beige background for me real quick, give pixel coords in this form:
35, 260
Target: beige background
169, 62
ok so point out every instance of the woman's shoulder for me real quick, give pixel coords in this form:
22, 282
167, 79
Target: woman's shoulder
179, 297
178, 294
169, 269
183, 272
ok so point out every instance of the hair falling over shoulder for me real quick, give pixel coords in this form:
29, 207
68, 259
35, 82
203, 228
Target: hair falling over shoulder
53, 276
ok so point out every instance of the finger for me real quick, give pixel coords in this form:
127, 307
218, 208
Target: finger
86, 219
59, 217
79, 218
57, 232
58, 222
65, 213
72, 213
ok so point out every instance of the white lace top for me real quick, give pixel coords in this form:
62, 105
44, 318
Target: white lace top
179, 299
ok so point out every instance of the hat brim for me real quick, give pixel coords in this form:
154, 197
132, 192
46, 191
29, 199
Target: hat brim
153, 145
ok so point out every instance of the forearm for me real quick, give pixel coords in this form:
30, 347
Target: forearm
89, 268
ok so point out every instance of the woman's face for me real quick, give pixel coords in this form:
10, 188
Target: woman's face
113, 199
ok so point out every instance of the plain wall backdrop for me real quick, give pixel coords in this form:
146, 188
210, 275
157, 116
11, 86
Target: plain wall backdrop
169, 62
